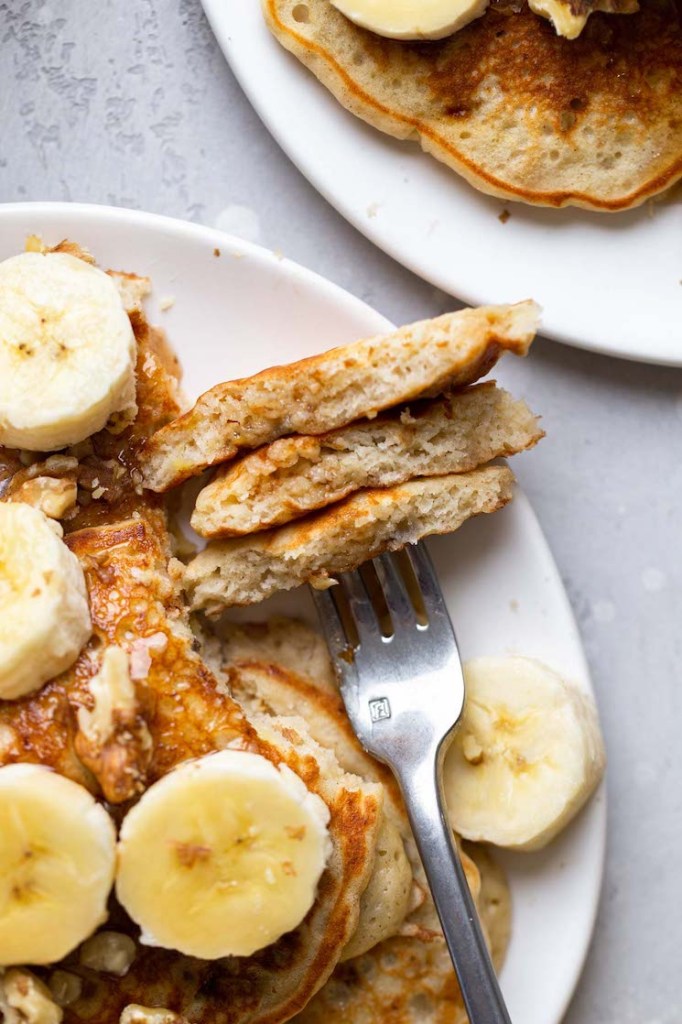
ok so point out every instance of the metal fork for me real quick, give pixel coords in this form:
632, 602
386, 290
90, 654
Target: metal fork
402, 684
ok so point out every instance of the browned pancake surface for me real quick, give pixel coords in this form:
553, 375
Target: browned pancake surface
519, 111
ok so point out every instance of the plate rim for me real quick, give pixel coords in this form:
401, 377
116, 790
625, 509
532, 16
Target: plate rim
217, 13
181, 230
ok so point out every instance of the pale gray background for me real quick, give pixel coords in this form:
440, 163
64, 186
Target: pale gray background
129, 102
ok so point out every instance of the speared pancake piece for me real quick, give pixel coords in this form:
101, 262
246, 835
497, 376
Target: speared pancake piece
329, 390
518, 111
248, 569
296, 475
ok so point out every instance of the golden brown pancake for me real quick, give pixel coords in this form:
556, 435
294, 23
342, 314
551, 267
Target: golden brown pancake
326, 391
181, 711
518, 111
121, 540
246, 570
296, 475
272, 985
187, 714
406, 979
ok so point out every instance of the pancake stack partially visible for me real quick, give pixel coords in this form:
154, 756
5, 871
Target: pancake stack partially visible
334, 484
151, 695
407, 975
180, 711
517, 110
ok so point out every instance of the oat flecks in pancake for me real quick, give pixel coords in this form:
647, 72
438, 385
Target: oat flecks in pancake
517, 110
326, 391
248, 569
296, 475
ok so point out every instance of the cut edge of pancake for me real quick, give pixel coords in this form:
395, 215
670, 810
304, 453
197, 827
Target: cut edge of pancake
336, 387
248, 569
297, 475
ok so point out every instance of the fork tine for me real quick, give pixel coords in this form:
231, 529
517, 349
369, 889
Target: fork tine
397, 598
331, 624
366, 619
432, 595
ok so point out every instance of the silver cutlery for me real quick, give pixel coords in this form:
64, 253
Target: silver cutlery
394, 649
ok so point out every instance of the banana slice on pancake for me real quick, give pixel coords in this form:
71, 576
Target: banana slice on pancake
67, 351
44, 613
412, 19
57, 857
222, 856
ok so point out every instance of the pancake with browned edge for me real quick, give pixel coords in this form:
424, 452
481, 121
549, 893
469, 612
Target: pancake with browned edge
180, 712
518, 111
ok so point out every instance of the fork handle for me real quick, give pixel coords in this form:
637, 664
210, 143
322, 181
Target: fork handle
425, 803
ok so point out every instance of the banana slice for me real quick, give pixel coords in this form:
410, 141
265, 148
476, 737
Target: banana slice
526, 756
412, 19
67, 351
44, 612
222, 856
57, 859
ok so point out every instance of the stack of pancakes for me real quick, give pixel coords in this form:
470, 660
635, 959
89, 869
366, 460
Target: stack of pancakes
371, 944
333, 483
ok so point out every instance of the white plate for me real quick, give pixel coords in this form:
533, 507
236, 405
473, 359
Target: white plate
607, 282
247, 309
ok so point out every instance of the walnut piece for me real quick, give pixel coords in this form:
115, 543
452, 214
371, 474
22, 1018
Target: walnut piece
136, 1014
27, 1000
109, 952
113, 740
55, 496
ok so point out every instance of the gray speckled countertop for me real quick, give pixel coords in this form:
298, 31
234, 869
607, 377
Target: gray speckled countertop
132, 104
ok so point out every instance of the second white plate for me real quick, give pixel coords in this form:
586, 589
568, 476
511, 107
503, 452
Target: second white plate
610, 283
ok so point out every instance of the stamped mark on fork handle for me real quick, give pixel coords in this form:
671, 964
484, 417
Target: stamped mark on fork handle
379, 709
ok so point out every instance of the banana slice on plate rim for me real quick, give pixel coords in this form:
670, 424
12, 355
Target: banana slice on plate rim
527, 754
